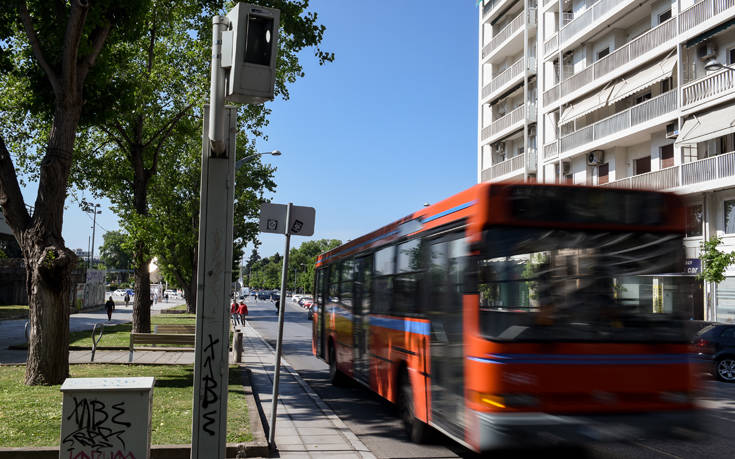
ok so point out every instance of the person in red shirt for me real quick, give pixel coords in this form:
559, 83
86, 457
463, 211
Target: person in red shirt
242, 310
233, 313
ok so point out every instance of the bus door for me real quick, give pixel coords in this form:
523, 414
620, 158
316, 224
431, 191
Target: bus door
447, 258
319, 293
361, 324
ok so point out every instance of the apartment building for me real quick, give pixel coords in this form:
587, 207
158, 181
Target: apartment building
619, 93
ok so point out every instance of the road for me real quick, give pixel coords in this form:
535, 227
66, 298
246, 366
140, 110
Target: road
374, 421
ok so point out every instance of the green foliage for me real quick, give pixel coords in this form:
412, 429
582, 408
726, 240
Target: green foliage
714, 261
115, 251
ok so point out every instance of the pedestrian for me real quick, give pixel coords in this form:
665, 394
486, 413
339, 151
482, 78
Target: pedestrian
109, 306
166, 297
233, 312
127, 299
242, 311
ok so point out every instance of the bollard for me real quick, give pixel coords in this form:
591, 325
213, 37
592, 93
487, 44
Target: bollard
238, 347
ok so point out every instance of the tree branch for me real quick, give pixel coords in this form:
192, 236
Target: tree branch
11, 199
72, 37
166, 129
117, 140
36, 47
151, 47
98, 37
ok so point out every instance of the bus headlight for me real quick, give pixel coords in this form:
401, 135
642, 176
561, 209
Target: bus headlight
506, 400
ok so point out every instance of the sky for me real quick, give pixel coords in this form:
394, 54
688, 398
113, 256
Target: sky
391, 124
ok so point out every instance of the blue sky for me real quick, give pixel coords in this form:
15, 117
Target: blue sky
389, 125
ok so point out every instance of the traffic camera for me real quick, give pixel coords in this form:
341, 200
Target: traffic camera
249, 50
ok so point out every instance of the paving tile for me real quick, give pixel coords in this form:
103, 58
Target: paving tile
335, 439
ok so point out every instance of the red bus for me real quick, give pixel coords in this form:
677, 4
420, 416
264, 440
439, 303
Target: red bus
516, 313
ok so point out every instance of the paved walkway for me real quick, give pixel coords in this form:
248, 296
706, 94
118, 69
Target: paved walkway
305, 426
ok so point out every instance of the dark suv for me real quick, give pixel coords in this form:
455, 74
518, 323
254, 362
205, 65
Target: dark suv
716, 343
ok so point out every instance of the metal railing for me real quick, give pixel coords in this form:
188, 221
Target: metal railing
551, 45
662, 179
640, 113
531, 160
505, 167
505, 33
700, 12
710, 86
552, 94
708, 169
587, 17
634, 49
551, 150
548, 2
511, 119
503, 78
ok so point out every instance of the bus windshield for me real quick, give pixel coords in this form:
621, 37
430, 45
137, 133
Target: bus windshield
554, 284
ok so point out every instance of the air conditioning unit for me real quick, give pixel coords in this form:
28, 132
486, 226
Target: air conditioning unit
672, 130
595, 157
500, 147
566, 167
706, 50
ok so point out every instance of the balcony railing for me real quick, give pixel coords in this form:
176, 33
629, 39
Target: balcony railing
632, 50
656, 180
587, 17
511, 119
505, 33
551, 150
708, 169
711, 86
548, 2
507, 75
700, 12
515, 163
551, 45
638, 114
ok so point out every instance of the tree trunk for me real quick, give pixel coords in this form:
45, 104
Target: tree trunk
142, 302
48, 262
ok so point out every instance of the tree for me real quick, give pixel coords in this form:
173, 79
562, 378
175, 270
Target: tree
168, 68
57, 75
114, 252
714, 261
266, 273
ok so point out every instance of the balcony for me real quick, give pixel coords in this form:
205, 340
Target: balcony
551, 45
663, 34
663, 179
619, 122
491, 6
551, 150
514, 164
509, 31
601, 10
506, 78
711, 87
509, 123
701, 12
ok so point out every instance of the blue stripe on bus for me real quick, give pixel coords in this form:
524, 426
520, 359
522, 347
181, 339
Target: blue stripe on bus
420, 328
447, 212
585, 359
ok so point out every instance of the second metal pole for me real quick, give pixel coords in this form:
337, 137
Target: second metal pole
279, 346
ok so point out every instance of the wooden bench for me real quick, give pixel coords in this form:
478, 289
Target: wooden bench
182, 339
174, 329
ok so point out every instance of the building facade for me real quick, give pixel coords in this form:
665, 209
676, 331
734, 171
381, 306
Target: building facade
619, 93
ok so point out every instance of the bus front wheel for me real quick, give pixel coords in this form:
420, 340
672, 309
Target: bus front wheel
416, 430
335, 376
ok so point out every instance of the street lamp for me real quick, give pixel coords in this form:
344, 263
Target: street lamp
713, 65
91, 208
241, 162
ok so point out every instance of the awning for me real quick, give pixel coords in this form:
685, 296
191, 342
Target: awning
643, 79
708, 126
584, 106
710, 33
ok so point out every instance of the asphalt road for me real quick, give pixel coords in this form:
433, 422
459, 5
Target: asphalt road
374, 420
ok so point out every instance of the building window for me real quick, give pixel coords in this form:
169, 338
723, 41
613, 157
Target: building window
666, 85
642, 98
665, 16
731, 56
730, 216
694, 220
603, 53
667, 156
602, 173
643, 165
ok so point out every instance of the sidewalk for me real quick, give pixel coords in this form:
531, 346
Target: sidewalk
305, 427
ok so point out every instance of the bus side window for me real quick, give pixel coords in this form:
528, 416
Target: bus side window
345, 291
334, 283
406, 282
364, 274
383, 281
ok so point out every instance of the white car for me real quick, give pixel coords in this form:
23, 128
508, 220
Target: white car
295, 298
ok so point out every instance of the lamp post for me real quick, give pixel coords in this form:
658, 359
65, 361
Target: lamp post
88, 207
241, 162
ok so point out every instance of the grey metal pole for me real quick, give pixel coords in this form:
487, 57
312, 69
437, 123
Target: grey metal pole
279, 341
217, 89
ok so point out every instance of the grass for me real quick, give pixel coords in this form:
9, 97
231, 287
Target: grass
119, 335
13, 311
31, 415
181, 307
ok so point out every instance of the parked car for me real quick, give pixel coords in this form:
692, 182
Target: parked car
304, 300
716, 343
263, 295
297, 297
275, 296
312, 309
